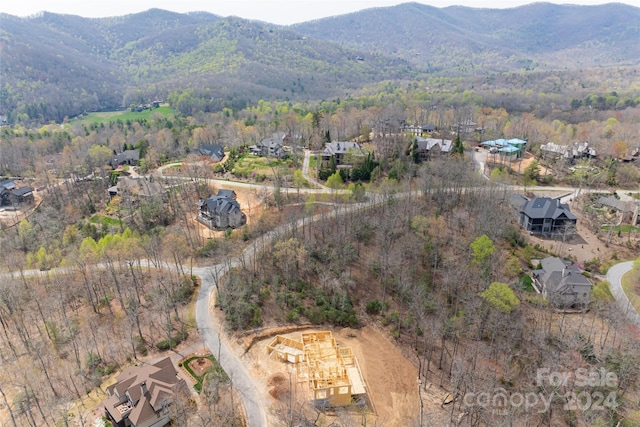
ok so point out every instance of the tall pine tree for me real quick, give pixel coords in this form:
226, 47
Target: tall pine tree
458, 148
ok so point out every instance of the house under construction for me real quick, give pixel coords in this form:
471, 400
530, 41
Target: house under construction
332, 371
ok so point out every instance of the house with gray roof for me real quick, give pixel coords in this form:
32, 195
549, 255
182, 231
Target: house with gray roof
562, 283
429, 148
629, 210
11, 194
142, 395
221, 211
546, 216
133, 191
6, 186
21, 195
213, 151
271, 147
569, 153
338, 151
127, 157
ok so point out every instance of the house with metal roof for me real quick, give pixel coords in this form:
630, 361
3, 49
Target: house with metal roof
547, 216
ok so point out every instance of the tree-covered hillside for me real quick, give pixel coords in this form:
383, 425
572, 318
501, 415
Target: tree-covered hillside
553, 36
56, 66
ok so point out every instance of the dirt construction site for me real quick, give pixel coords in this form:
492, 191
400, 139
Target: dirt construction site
345, 373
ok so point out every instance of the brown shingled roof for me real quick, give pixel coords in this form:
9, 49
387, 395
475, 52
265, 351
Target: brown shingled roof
126, 398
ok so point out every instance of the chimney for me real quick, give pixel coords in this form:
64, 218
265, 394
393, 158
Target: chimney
143, 387
564, 274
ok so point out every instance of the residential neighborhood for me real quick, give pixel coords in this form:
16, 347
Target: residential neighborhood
406, 216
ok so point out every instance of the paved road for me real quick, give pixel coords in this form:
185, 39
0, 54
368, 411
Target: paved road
614, 276
216, 341
212, 333
305, 170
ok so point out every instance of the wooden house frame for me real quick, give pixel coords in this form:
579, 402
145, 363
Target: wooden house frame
332, 371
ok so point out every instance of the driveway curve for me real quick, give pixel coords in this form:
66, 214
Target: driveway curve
614, 276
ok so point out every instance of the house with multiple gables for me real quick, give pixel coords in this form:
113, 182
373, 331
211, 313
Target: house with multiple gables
562, 283
221, 211
569, 153
214, 151
127, 157
338, 151
12, 195
272, 147
142, 395
546, 216
432, 147
629, 210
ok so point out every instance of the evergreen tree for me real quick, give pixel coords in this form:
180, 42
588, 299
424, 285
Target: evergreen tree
458, 148
414, 151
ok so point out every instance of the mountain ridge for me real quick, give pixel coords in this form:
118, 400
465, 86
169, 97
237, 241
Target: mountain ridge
60, 65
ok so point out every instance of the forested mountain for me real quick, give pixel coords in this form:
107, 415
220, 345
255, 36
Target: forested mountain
54, 66
551, 35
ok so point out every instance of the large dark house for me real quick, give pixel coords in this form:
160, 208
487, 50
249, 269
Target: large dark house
221, 211
547, 216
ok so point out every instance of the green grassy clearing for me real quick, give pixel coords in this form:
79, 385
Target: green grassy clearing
624, 228
248, 165
525, 283
114, 116
106, 221
313, 162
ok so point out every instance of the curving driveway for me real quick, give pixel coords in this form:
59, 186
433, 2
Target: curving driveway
614, 276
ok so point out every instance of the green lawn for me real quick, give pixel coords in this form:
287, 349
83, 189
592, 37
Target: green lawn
216, 369
106, 221
313, 162
249, 165
114, 116
624, 228
631, 286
